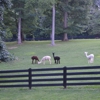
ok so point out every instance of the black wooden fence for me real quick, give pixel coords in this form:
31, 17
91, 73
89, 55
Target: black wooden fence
65, 76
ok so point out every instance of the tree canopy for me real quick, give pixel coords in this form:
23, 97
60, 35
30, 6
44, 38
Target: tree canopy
72, 17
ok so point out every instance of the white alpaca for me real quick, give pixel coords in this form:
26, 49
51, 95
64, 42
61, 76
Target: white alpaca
44, 59
89, 57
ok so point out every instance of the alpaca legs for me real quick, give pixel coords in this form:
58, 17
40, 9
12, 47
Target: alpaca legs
57, 61
50, 61
34, 61
91, 60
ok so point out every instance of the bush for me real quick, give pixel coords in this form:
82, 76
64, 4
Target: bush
4, 54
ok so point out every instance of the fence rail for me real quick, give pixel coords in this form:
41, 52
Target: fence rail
65, 76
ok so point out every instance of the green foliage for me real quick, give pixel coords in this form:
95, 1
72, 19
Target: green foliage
3, 4
77, 20
38, 16
8, 35
4, 54
94, 20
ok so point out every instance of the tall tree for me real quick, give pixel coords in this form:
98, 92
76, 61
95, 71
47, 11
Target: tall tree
18, 9
65, 22
94, 19
4, 54
42, 6
53, 26
21, 21
75, 16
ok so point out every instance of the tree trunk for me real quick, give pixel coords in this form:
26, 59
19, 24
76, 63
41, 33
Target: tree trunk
65, 26
53, 26
19, 30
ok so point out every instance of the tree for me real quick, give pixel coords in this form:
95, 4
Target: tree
71, 17
42, 6
18, 8
20, 22
65, 23
94, 18
4, 54
53, 26
37, 17
49, 4
75, 16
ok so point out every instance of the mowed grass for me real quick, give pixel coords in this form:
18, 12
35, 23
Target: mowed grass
71, 53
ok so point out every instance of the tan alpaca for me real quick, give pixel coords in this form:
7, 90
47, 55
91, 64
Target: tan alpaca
44, 59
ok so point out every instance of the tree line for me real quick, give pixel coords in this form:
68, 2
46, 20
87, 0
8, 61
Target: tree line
32, 18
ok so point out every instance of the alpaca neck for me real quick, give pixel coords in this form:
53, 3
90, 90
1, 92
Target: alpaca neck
86, 55
53, 55
41, 60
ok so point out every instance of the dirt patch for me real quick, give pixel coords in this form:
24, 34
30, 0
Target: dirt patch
12, 47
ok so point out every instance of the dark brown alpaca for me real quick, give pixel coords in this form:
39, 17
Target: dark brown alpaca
34, 58
56, 58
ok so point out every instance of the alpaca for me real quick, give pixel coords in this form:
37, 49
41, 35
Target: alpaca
56, 58
89, 57
34, 58
44, 59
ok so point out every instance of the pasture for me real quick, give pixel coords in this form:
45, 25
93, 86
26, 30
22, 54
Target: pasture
71, 53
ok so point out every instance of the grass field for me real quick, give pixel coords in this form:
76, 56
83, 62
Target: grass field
71, 53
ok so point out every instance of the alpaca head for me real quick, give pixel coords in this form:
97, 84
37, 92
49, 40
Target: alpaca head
53, 53
39, 62
86, 52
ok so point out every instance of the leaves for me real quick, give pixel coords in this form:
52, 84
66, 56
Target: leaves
4, 54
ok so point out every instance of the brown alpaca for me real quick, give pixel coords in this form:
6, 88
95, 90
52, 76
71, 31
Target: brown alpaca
34, 58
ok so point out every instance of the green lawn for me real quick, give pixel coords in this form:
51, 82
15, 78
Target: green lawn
71, 53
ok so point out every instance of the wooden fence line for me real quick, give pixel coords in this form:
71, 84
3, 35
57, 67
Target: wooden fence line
65, 76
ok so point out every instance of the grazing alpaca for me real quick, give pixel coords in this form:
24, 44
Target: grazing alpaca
89, 57
56, 58
44, 59
34, 58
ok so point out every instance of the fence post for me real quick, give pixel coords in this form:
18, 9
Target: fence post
30, 78
64, 76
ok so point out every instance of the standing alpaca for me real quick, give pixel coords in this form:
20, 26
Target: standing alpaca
44, 59
56, 58
34, 58
89, 57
